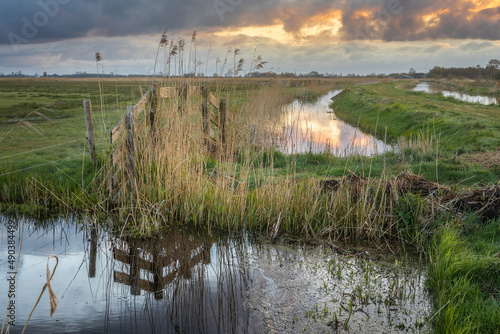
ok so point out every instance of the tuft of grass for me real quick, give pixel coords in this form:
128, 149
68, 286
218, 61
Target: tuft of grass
464, 277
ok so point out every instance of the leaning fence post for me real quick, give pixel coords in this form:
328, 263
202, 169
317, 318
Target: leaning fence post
87, 109
222, 120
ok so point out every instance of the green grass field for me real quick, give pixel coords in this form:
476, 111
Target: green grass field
42, 131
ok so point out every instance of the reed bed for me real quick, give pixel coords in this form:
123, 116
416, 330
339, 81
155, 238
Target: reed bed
178, 181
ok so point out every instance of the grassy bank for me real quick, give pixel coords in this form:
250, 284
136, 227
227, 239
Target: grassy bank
435, 135
464, 277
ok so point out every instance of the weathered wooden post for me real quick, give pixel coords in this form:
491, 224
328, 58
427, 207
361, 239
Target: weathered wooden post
87, 108
183, 94
130, 143
204, 111
222, 120
154, 106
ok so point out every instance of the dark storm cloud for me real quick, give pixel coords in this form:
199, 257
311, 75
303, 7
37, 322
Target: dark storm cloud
39, 21
52, 20
405, 20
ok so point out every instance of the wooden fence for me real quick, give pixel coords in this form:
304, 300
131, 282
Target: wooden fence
143, 116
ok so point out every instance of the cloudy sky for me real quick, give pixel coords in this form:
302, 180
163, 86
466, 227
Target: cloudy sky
335, 36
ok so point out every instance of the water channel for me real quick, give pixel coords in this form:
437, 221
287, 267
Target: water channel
201, 283
314, 127
427, 87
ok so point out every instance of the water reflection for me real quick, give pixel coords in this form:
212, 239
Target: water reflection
426, 87
313, 127
198, 283
181, 283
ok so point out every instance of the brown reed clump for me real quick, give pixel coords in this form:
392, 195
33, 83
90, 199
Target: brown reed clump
485, 201
407, 182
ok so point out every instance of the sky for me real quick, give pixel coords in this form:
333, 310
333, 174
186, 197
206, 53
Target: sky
298, 36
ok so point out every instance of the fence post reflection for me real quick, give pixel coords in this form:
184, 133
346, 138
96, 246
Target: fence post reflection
153, 265
93, 251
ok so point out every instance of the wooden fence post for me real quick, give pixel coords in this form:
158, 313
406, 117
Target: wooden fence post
87, 108
222, 120
204, 111
130, 142
154, 106
183, 93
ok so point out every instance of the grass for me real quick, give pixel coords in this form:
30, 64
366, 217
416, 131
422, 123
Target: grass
431, 131
42, 139
464, 276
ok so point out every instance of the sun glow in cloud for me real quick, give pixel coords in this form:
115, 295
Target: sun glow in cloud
362, 14
274, 32
433, 19
482, 4
330, 22
317, 25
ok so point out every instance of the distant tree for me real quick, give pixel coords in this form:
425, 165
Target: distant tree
492, 67
495, 63
45, 74
287, 75
412, 71
314, 74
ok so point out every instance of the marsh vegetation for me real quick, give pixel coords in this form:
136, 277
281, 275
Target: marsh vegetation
250, 185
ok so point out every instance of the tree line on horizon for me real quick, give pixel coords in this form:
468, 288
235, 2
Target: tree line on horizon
490, 72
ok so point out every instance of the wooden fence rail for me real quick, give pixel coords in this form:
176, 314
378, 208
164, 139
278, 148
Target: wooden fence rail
143, 115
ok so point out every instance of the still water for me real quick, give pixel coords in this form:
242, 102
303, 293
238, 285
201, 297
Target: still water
201, 283
313, 127
427, 87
